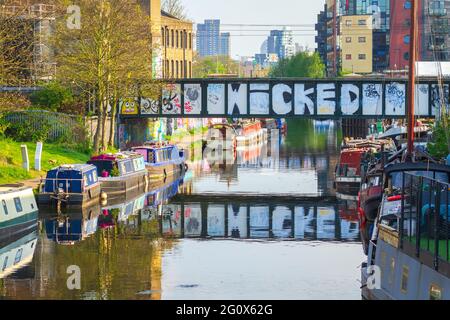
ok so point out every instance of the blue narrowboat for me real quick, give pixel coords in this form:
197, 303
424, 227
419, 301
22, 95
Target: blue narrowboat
76, 184
162, 160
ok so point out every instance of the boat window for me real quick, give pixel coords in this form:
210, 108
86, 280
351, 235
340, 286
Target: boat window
86, 182
435, 292
5, 263
18, 204
151, 157
129, 166
405, 276
5, 207
18, 257
94, 176
392, 271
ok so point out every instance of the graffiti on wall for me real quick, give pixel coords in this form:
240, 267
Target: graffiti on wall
321, 99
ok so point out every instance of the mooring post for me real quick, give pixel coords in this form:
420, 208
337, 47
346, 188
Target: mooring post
25, 159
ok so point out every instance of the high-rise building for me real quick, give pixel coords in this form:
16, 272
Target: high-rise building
321, 38
281, 43
224, 44
210, 42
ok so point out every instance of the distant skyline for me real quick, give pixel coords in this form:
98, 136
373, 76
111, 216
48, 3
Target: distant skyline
247, 40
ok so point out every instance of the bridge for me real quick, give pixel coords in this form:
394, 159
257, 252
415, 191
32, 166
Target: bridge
288, 98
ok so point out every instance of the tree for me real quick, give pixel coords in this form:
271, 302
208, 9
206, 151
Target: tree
205, 66
174, 8
300, 65
109, 57
53, 96
16, 45
440, 146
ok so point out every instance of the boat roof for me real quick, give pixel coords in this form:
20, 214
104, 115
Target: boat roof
116, 156
75, 167
416, 166
8, 188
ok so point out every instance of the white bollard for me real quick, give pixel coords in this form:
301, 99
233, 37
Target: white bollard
25, 160
38, 156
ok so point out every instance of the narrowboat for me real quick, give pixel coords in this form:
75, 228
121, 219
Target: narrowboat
250, 133
162, 160
409, 246
225, 134
17, 252
352, 162
18, 210
74, 185
120, 173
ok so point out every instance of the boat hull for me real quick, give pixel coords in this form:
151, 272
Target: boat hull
161, 172
85, 199
18, 225
119, 186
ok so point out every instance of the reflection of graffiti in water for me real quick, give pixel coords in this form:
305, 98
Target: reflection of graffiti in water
192, 225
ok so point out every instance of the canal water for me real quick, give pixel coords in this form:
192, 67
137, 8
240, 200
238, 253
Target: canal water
265, 225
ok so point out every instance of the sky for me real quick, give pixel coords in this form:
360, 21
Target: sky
244, 42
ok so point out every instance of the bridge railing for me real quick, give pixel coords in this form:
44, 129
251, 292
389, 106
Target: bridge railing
425, 218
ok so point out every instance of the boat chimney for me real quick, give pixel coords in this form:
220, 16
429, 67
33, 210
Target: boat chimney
412, 79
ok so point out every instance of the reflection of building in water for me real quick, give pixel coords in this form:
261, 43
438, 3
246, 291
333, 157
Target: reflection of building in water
245, 221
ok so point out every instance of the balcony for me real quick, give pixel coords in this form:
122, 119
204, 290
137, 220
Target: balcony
437, 12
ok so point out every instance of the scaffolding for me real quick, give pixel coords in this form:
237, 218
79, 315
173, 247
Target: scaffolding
42, 16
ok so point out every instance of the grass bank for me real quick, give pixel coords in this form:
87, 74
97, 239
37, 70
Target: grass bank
11, 170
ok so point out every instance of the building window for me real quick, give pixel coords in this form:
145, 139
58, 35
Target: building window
348, 23
190, 40
362, 56
406, 56
348, 57
167, 38
173, 69
5, 208
18, 204
176, 74
362, 39
190, 69
405, 276
435, 292
163, 36
362, 22
348, 39
407, 4
177, 39
173, 39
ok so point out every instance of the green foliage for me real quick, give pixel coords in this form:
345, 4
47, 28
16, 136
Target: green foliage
52, 97
115, 171
4, 125
300, 65
28, 132
204, 67
440, 146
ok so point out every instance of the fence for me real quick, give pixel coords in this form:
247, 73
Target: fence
59, 124
425, 214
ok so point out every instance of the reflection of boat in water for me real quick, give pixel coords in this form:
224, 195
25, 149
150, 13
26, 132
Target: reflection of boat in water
121, 212
18, 210
73, 226
17, 252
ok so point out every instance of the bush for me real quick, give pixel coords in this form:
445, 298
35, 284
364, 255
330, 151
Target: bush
52, 97
3, 126
27, 132
439, 147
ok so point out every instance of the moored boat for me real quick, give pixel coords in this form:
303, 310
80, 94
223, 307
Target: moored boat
120, 173
351, 164
162, 160
18, 210
75, 185
410, 240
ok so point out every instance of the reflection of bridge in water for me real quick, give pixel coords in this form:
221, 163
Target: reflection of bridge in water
241, 219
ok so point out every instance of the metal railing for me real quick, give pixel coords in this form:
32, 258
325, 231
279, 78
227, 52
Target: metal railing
425, 216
